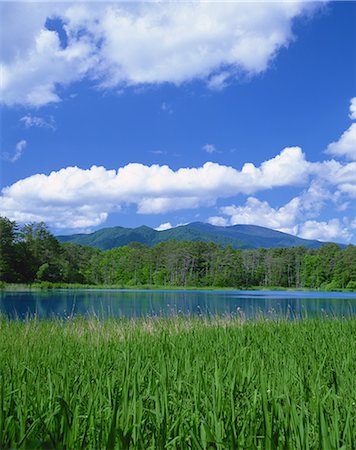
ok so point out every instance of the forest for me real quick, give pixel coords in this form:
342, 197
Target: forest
30, 253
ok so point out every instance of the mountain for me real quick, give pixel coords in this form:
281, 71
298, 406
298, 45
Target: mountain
238, 236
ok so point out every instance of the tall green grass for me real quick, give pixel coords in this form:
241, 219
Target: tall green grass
178, 384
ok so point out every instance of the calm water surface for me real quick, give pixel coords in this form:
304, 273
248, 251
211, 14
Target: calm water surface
139, 303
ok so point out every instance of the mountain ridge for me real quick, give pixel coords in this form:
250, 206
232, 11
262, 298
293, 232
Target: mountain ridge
238, 236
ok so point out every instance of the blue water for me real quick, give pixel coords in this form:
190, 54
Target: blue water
140, 303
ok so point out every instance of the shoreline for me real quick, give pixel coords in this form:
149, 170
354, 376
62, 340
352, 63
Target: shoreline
38, 287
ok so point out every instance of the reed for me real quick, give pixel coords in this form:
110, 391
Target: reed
178, 383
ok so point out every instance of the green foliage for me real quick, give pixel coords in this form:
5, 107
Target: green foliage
44, 251
42, 272
8, 250
32, 253
178, 383
351, 286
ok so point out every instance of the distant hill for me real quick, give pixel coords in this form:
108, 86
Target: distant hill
238, 236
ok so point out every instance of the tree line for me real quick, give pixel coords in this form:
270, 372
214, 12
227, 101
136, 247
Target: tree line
30, 253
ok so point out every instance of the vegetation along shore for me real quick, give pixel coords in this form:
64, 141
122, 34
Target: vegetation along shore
47, 285
31, 254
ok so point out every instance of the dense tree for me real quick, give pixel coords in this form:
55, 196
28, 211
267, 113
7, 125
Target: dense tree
32, 253
8, 250
44, 250
76, 262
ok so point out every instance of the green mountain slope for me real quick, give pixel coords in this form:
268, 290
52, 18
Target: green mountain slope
238, 236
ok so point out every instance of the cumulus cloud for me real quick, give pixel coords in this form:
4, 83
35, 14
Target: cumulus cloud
325, 230
30, 121
349, 189
76, 198
218, 221
32, 80
346, 145
256, 212
164, 226
294, 217
79, 217
337, 174
123, 44
168, 226
155, 189
19, 149
353, 108
165, 204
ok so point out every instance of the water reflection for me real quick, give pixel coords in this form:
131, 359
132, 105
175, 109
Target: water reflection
123, 303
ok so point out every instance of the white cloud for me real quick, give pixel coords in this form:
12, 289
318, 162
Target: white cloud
161, 205
122, 44
19, 149
164, 226
346, 145
59, 217
256, 212
335, 173
32, 79
260, 213
218, 221
353, 108
30, 121
154, 189
20, 23
168, 226
219, 82
325, 231
315, 198
287, 168
209, 148
348, 189
294, 217
73, 197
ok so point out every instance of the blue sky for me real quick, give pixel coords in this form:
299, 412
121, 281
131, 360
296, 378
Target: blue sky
163, 114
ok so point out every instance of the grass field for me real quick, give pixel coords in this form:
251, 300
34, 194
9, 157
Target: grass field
178, 384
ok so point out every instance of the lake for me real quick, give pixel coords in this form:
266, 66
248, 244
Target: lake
140, 303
